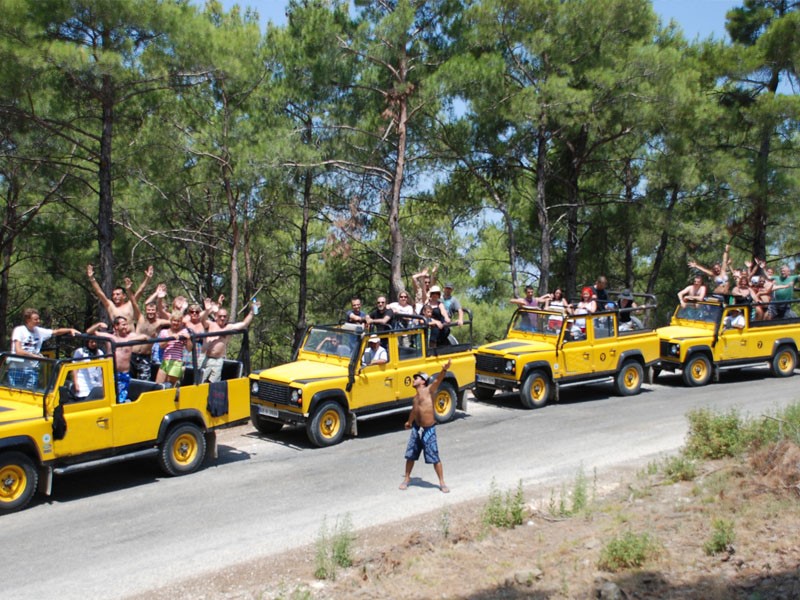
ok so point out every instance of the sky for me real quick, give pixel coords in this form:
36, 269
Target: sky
696, 17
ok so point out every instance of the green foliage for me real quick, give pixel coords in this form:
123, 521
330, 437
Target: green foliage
504, 510
569, 504
627, 551
717, 435
714, 435
334, 548
722, 536
679, 468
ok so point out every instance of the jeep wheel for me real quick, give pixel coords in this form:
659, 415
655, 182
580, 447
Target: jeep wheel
18, 479
535, 390
444, 404
263, 425
183, 451
483, 393
697, 371
784, 362
629, 379
327, 426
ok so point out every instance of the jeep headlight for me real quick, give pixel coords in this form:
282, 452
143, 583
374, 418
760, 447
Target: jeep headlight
511, 366
254, 388
297, 396
675, 349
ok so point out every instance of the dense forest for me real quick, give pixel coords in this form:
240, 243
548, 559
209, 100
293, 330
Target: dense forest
507, 141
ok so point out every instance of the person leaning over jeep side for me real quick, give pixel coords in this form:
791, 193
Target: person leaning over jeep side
27, 340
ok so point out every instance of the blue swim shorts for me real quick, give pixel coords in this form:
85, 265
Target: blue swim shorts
423, 439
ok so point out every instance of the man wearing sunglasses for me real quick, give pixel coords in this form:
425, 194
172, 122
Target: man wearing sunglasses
422, 423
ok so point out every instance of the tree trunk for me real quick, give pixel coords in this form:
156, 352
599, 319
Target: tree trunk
302, 297
105, 217
395, 234
662, 244
541, 211
626, 225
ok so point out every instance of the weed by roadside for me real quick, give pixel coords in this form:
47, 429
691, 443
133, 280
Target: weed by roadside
627, 551
504, 510
334, 548
721, 537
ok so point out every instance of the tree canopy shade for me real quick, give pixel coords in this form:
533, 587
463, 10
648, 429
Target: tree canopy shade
507, 141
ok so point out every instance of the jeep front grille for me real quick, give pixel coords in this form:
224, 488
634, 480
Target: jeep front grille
664, 349
489, 363
273, 392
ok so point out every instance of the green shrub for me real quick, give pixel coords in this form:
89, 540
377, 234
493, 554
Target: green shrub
627, 551
679, 468
721, 537
715, 435
504, 510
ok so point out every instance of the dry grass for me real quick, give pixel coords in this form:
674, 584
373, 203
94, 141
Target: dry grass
555, 558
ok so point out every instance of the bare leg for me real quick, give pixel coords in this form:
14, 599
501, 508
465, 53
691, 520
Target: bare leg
440, 473
407, 477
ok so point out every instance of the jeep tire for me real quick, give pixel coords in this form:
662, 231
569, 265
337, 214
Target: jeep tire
18, 480
535, 390
628, 381
183, 450
697, 371
444, 403
784, 362
327, 426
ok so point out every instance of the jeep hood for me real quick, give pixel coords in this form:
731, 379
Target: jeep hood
303, 371
13, 412
679, 332
511, 346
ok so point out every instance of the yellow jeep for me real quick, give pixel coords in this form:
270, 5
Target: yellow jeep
328, 389
47, 429
544, 351
701, 341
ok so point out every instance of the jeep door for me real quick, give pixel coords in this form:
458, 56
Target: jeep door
603, 335
376, 385
736, 344
576, 350
88, 419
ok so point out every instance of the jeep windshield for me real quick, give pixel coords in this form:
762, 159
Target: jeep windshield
545, 323
27, 373
332, 341
699, 312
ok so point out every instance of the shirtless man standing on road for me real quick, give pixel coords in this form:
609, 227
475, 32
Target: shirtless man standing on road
422, 423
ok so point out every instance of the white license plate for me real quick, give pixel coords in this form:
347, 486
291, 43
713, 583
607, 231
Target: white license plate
485, 379
268, 412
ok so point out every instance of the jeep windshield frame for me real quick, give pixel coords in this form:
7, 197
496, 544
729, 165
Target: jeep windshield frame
707, 313
536, 322
332, 340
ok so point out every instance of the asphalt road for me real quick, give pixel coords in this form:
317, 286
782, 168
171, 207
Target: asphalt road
124, 530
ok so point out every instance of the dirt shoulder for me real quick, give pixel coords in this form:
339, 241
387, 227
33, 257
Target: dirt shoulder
452, 553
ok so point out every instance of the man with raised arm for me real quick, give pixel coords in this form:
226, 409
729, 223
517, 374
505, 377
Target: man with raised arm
119, 305
422, 422
215, 347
